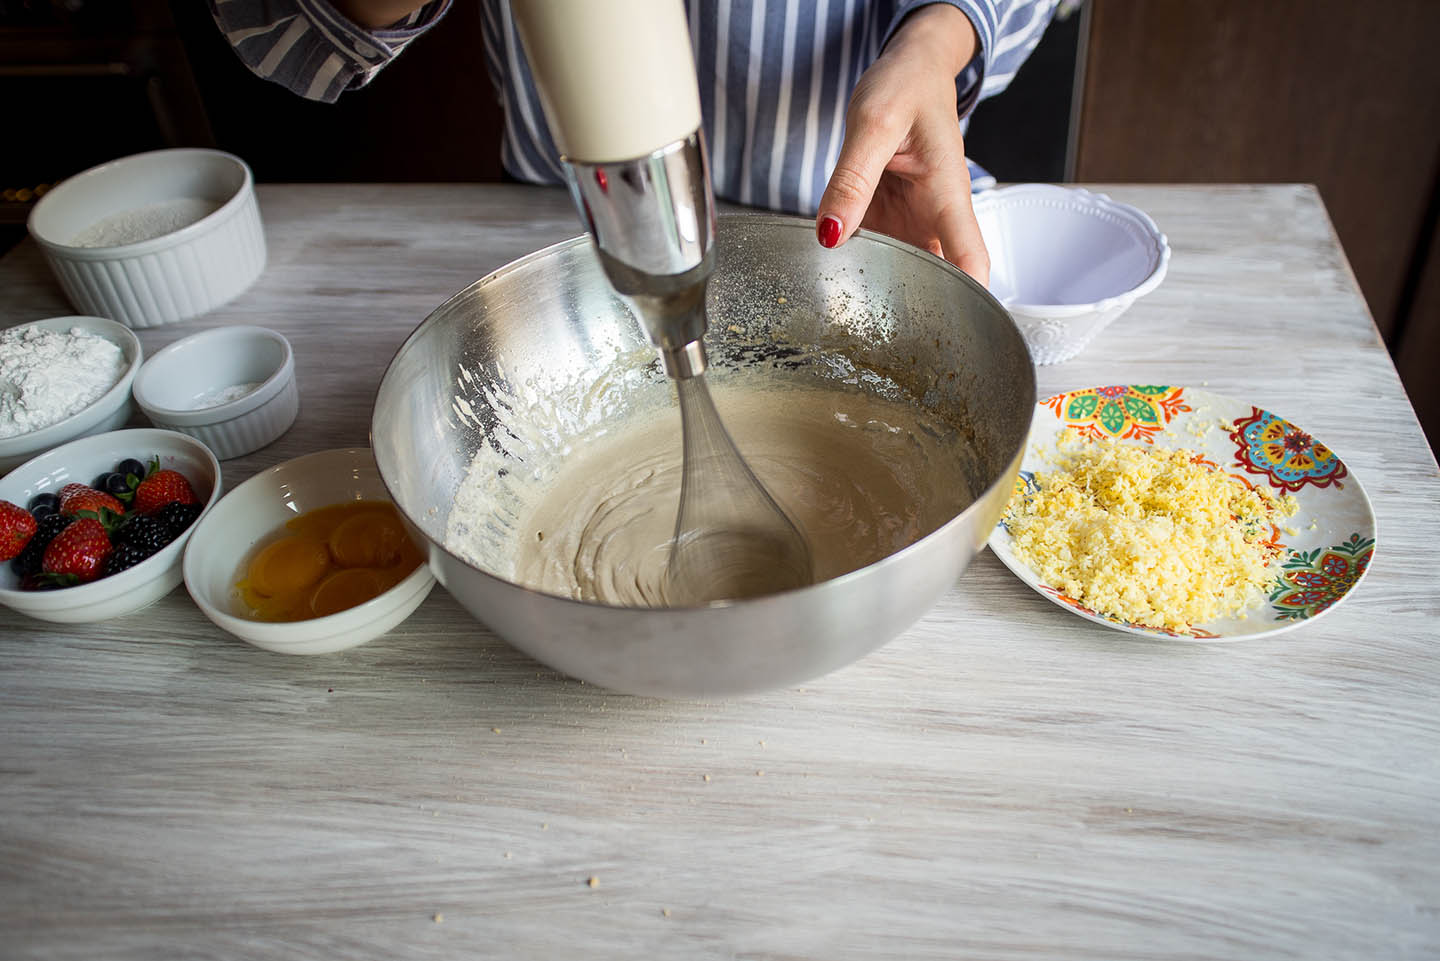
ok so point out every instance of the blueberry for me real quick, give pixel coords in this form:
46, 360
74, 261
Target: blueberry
130, 466
104, 479
43, 505
115, 484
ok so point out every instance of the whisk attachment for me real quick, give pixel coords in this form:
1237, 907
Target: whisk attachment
653, 223
732, 540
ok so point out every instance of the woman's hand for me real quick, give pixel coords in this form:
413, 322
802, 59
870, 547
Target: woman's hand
901, 169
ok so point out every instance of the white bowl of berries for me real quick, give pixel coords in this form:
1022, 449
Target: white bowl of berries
96, 528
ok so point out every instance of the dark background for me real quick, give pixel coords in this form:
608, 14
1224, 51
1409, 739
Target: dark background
1342, 95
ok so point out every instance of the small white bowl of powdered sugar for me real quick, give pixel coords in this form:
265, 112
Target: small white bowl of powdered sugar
60, 379
153, 238
231, 387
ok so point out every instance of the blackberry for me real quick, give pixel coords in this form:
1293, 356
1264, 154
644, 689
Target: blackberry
27, 562
144, 532
176, 517
123, 557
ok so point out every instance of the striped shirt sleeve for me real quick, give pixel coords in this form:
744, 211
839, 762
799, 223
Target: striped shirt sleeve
1018, 28
308, 47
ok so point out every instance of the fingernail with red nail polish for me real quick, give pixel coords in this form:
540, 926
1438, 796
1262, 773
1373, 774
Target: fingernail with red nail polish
829, 230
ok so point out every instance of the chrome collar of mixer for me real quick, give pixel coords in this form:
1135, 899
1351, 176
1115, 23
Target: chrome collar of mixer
653, 223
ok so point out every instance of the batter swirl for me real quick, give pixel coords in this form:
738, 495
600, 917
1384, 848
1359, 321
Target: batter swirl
862, 476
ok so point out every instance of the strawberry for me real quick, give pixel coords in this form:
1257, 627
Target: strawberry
17, 526
75, 498
77, 554
161, 487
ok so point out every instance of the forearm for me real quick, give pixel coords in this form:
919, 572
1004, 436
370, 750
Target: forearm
938, 34
377, 14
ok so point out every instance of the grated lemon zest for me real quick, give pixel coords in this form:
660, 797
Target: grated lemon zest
1150, 536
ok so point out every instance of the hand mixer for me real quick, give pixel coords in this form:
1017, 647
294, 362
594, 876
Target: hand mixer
617, 79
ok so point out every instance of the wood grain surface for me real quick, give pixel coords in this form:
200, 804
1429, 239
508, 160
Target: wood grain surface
1003, 781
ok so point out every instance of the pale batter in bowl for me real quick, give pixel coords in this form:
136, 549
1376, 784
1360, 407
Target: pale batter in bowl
862, 476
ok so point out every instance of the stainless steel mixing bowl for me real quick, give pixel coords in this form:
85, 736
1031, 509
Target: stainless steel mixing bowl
501, 363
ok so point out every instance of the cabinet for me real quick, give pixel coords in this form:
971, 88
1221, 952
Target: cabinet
1342, 95
85, 81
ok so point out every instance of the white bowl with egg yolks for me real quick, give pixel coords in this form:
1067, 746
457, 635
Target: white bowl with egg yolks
252, 512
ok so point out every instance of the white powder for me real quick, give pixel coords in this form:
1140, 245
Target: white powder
46, 376
145, 223
223, 395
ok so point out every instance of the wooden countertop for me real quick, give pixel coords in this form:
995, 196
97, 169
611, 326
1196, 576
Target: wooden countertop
1004, 780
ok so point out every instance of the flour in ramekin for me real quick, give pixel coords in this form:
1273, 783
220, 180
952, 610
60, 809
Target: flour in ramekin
47, 376
145, 223
216, 396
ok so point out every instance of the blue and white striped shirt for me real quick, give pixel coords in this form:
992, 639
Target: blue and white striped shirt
775, 75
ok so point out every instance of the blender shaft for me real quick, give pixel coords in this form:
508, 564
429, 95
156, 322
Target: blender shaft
653, 222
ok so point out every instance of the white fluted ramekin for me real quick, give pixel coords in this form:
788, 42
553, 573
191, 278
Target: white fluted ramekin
1066, 262
172, 382
170, 278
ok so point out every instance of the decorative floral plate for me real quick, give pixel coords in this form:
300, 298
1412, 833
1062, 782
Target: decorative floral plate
1333, 535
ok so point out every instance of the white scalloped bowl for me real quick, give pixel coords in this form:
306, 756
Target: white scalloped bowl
173, 385
1066, 262
178, 275
246, 516
107, 412
80, 461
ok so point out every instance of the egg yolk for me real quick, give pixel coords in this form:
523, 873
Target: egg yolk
326, 560
370, 539
344, 589
290, 564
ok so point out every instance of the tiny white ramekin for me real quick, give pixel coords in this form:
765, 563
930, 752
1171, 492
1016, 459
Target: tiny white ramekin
1066, 262
170, 278
109, 411
175, 379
